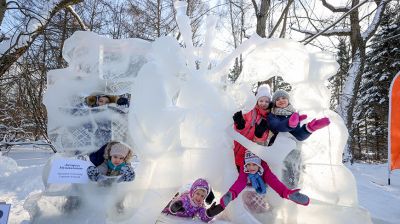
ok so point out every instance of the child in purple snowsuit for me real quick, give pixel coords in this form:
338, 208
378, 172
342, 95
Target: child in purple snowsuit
191, 203
284, 118
258, 174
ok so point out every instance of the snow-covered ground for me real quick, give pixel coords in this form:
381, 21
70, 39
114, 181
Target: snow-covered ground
17, 183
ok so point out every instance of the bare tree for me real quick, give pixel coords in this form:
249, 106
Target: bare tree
358, 39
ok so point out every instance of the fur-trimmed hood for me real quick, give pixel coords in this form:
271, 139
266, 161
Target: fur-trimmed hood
107, 150
91, 100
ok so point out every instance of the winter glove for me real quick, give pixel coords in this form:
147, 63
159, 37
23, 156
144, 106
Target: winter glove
177, 206
261, 128
210, 197
239, 120
298, 197
293, 120
94, 174
317, 124
127, 174
122, 101
224, 201
214, 210
302, 117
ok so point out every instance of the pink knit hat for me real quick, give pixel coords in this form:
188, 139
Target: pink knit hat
119, 149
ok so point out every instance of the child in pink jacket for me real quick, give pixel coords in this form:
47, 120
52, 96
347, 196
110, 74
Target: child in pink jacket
258, 174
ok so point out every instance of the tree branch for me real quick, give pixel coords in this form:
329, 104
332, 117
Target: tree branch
77, 17
18, 49
333, 8
280, 18
366, 35
341, 32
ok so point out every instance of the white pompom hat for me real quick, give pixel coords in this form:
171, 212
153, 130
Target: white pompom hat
264, 90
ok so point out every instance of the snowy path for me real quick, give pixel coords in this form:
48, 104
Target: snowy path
375, 195
381, 200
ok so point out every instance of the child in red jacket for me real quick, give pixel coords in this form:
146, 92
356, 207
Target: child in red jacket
253, 124
258, 174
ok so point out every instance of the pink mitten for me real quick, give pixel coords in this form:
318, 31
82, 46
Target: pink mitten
294, 120
318, 124
302, 117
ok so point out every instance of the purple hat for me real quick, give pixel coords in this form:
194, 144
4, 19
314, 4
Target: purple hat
199, 184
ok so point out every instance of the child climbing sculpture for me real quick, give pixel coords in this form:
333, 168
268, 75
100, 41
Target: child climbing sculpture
258, 174
284, 118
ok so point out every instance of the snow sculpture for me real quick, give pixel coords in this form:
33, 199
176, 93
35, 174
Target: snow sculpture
180, 121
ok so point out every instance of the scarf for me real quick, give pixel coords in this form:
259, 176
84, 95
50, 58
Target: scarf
111, 166
261, 111
257, 183
289, 110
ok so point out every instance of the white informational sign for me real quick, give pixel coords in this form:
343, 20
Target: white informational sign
69, 171
4, 212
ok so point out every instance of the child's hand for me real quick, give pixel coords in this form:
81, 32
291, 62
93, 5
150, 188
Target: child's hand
293, 120
226, 199
239, 120
177, 206
214, 210
127, 174
302, 117
94, 174
261, 128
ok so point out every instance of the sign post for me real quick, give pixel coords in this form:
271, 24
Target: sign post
69, 171
4, 212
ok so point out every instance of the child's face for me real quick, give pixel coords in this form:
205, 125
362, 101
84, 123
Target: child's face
252, 168
199, 196
117, 159
263, 102
282, 102
103, 101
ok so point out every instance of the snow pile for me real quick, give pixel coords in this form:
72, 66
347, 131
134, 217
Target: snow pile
8, 166
181, 112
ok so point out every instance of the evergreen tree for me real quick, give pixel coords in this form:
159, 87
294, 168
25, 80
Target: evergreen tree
383, 62
336, 82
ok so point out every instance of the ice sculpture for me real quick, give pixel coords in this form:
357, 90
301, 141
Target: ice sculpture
179, 122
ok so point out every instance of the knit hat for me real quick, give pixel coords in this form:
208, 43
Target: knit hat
264, 90
249, 157
199, 184
119, 149
280, 93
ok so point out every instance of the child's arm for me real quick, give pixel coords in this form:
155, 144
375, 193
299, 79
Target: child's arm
203, 215
273, 181
277, 124
184, 210
128, 174
103, 168
235, 189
